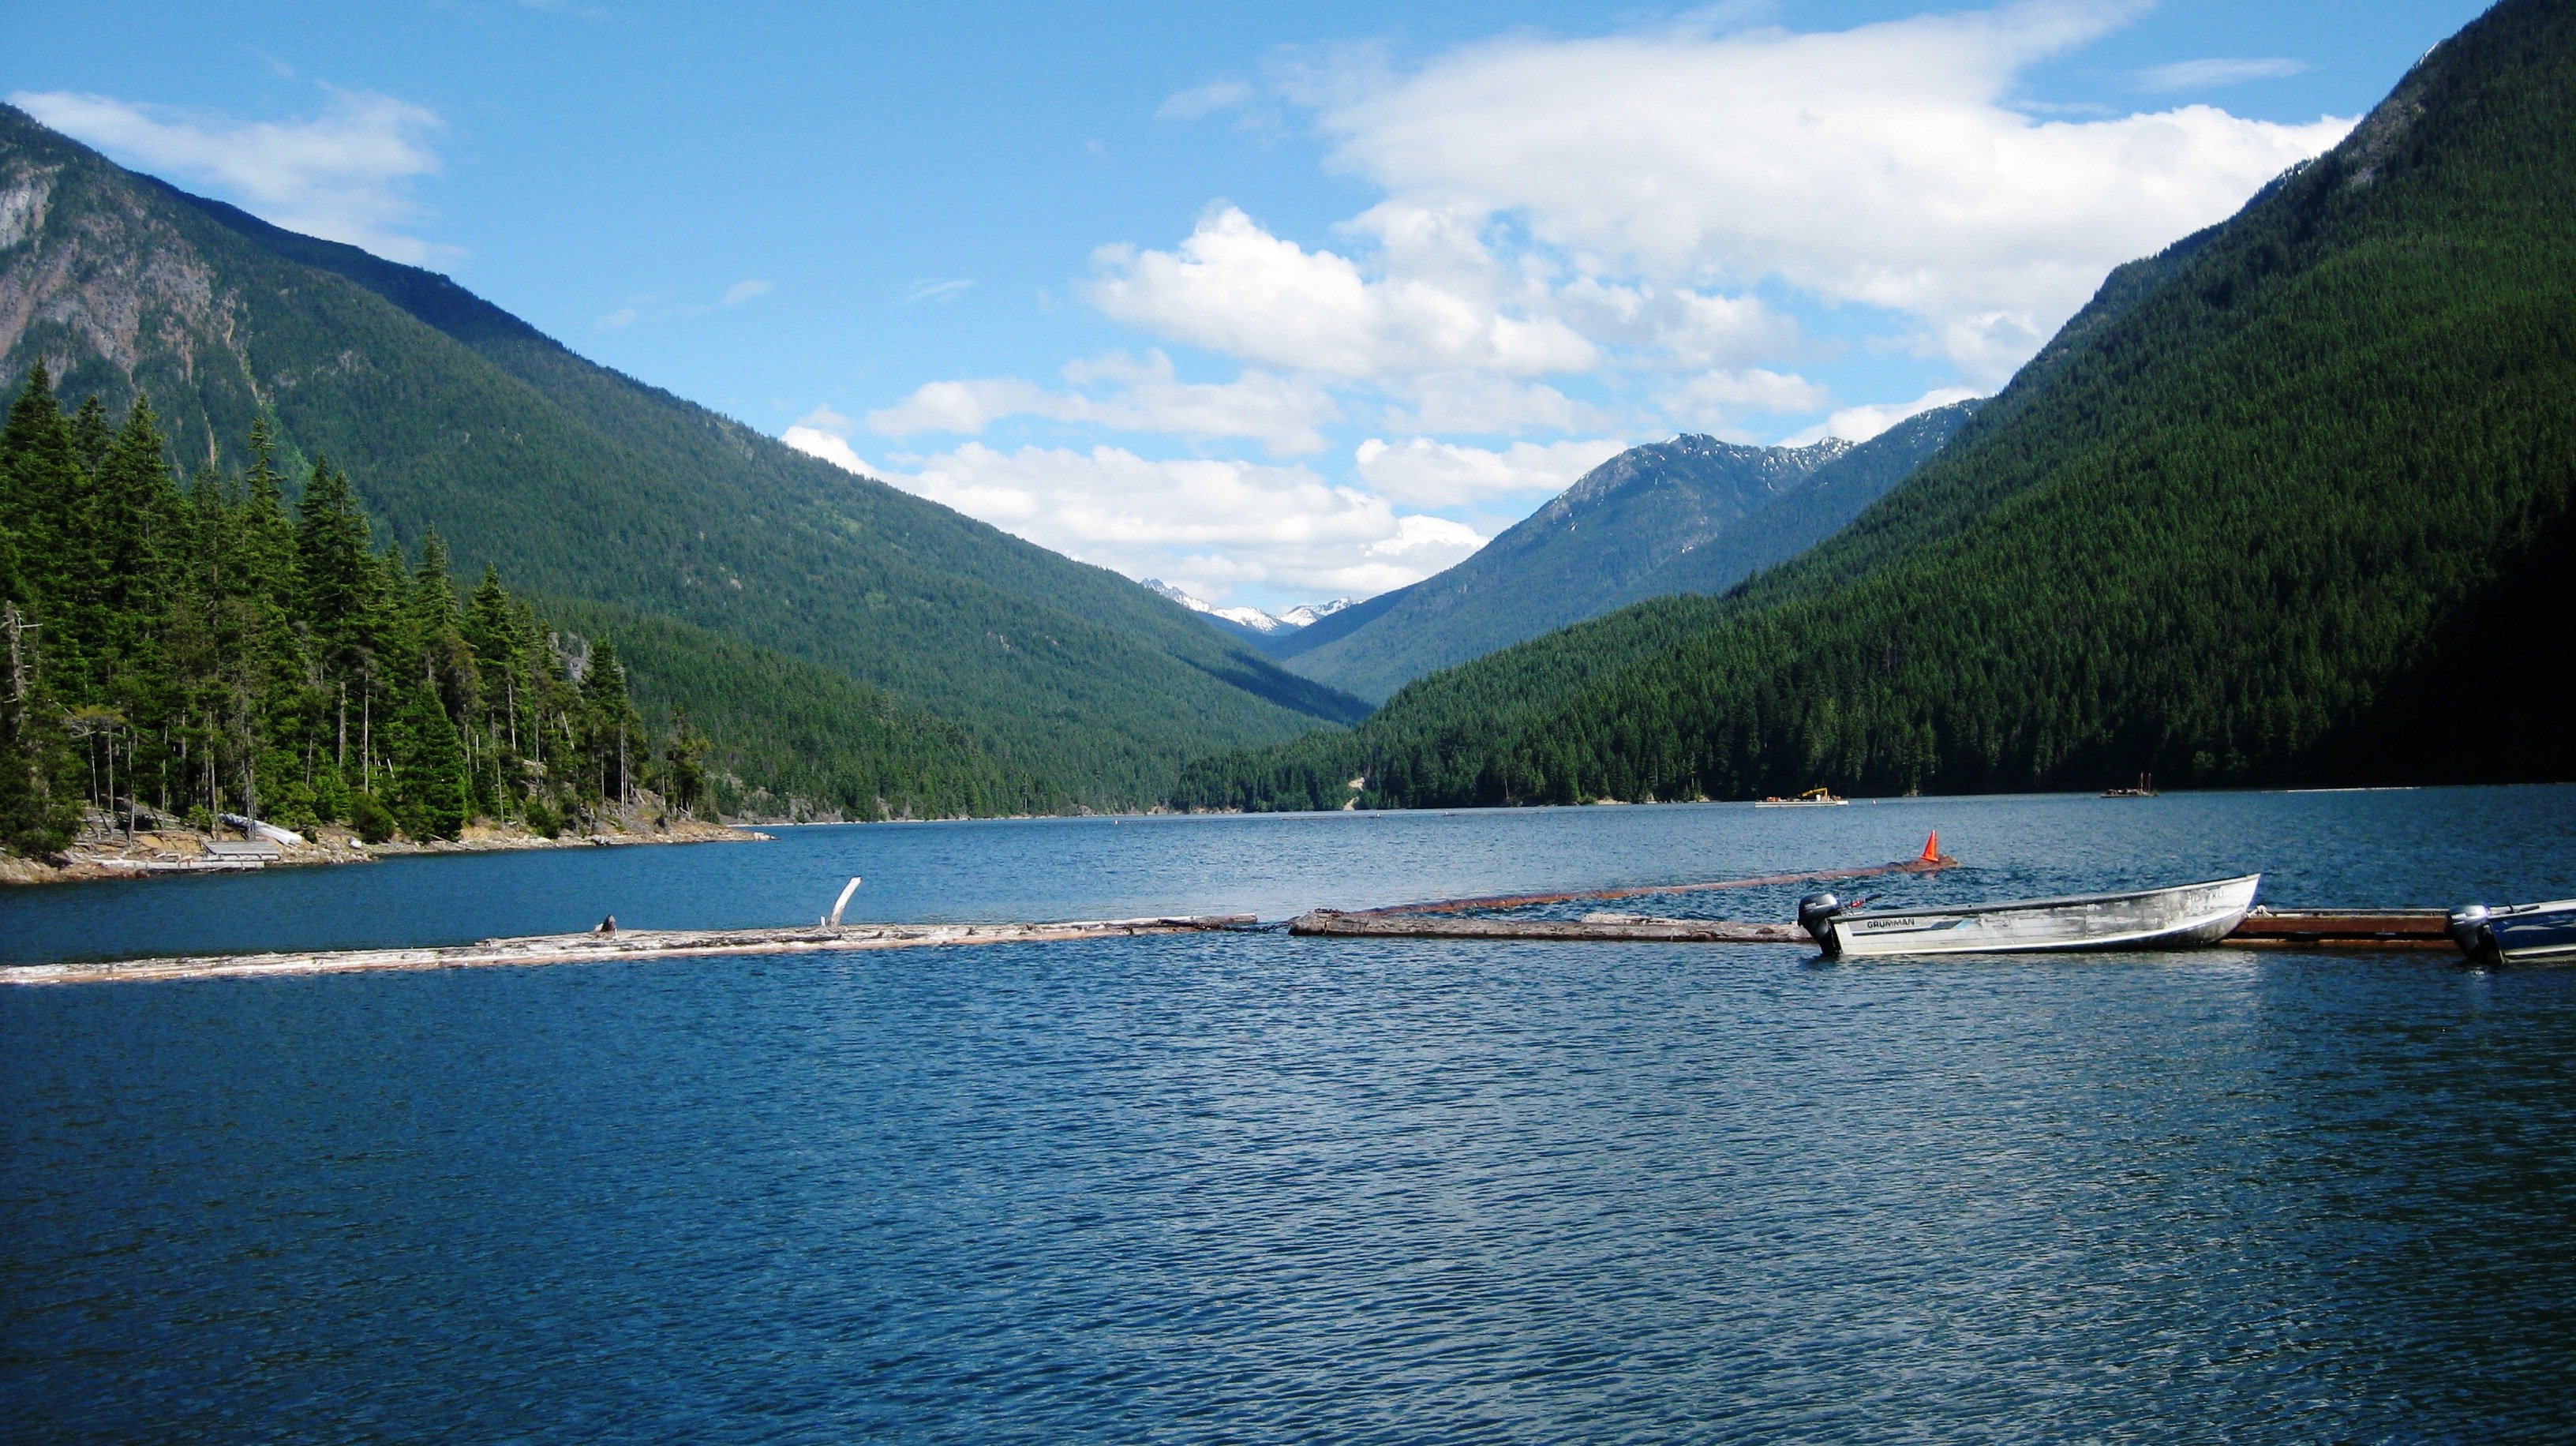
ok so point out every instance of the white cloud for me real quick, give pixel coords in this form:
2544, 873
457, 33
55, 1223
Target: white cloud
1203, 100
1478, 404
965, 407
742, 291
622, 318
1859, 424
938, 290
1880, 165
2198, 74
1235, 288
815, 442
1283, 413
343, 175
1428, 473
1719, 399
1212, 526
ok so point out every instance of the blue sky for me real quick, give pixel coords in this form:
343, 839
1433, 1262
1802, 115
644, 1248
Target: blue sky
1277, 302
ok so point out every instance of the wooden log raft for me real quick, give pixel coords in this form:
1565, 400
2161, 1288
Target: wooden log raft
1333, 924
609, 944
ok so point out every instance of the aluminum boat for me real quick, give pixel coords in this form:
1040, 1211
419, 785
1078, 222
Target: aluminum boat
2516, 933
2171, 918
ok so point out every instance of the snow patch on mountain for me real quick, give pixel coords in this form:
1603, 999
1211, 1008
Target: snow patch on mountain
1302, 615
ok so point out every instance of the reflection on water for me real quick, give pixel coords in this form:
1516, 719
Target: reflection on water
1250, 1187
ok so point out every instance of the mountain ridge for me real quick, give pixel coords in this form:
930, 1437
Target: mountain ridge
1694, 514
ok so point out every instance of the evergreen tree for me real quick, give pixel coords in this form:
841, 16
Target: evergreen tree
430, 790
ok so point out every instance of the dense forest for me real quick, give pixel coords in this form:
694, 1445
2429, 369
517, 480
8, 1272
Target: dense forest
2290, 503
180, 651
198, 650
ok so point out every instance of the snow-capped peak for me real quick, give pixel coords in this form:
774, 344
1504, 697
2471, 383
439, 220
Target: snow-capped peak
1309, 614
1253, 618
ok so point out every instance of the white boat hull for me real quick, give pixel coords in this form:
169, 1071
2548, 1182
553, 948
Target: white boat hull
2189, 914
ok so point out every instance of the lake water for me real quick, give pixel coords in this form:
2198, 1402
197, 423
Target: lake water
1253, 1188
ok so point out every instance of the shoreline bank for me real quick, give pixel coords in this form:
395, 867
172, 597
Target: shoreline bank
100, 854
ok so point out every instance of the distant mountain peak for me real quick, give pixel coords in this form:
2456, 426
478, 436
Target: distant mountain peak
1250, 618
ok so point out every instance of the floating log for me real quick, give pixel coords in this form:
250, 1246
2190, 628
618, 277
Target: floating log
622, 944
1388, 924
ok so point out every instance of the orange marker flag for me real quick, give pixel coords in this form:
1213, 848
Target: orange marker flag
1932, 848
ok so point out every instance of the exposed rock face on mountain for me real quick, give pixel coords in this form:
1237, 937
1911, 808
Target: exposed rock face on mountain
578, 482
1690, 515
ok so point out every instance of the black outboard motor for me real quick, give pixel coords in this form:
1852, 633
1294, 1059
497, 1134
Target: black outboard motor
1816, 916
2467, 927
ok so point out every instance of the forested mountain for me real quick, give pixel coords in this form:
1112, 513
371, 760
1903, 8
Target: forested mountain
2290, 502
576, 482
1690, 515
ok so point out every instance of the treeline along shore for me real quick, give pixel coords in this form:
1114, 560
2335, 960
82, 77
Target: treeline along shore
177, 652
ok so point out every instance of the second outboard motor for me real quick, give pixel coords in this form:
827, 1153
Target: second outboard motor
2467, 927
1816, 916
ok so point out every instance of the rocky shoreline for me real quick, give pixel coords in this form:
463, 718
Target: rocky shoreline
104, 853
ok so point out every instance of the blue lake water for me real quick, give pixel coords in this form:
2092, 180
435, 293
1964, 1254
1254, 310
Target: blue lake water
1247, 1187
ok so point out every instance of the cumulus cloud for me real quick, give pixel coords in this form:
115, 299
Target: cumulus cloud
1215, 526
344, 175
1477, 404
1234, 287
1716, 401
1142, 394
1880, 165
1429, 473
1859, 424
831, 447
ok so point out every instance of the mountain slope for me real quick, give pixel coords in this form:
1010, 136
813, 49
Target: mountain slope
579, 482
2290, 503
1691, 515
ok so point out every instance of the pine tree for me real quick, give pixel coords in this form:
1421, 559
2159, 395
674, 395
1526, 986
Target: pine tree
614, 731
431, 789
684, 763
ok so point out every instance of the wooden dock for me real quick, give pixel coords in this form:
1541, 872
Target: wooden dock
623, 944
2342, 929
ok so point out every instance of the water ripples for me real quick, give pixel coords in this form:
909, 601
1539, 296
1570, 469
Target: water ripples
1250, 1188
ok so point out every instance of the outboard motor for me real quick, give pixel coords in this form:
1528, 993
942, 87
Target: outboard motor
1816, 916
2467, 927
